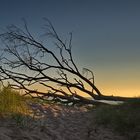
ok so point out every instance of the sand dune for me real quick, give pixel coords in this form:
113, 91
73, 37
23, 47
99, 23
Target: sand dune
57, 123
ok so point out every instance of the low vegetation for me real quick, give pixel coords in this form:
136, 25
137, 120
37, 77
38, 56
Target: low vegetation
124, 118
11, 102
17, 107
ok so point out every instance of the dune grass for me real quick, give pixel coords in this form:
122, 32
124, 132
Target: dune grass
11, 102
16, 107
124, 118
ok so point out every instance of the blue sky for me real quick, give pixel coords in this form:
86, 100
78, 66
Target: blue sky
106, 35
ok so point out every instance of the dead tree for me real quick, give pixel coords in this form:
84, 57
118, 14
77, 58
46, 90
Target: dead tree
26, 62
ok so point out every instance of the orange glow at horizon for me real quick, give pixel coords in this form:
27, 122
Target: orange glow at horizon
116, 81
107, 90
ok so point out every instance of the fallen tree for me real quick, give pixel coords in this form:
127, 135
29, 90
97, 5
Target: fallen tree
26, 62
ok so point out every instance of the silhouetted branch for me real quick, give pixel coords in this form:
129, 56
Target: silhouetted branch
26, 62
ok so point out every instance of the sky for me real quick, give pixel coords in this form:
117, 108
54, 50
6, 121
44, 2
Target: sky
106, 36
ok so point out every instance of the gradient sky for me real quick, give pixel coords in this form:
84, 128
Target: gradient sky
106, 35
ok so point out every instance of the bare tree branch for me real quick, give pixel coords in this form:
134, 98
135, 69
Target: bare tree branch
26, 62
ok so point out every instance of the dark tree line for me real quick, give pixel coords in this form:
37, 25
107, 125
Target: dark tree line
26, 61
